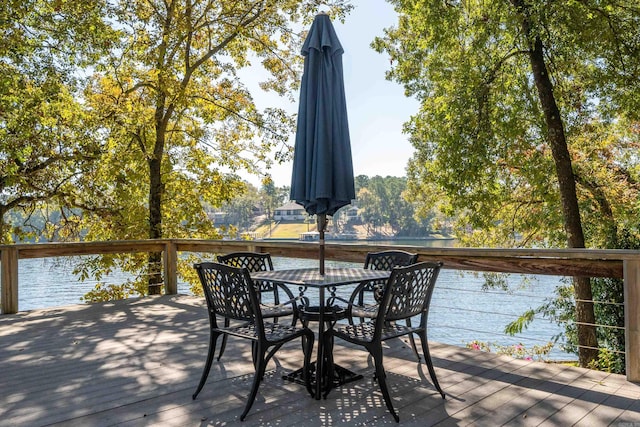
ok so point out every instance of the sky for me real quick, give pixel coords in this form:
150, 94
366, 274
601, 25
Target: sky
376, 108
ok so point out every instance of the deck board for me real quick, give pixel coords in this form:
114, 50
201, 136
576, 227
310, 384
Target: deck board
137, 363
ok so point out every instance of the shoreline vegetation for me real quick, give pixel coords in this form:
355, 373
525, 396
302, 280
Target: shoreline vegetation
288, 230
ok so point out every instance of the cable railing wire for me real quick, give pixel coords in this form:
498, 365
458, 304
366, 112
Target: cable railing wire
500, 336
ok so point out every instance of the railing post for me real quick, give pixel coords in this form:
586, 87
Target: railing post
632, 318
170, 268
9, 280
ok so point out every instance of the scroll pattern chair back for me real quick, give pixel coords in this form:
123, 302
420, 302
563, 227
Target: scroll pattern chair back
384, 260
227, 293
407, 294
256, 261
252, 261
411, 293
230, 293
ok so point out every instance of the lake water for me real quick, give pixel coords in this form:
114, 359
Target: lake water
460, 311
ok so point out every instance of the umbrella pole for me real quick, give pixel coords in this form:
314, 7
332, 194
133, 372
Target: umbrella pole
322, 224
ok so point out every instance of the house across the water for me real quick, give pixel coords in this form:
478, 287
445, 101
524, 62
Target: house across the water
289, 212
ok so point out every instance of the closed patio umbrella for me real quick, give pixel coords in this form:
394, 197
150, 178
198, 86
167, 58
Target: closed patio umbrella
322, 179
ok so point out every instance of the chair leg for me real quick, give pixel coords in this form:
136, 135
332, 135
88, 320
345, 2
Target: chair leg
413, 341
260, 369
381, 376
213, 337
254, 354
224, 340
272, 352
307, 349
427, 358
415, 348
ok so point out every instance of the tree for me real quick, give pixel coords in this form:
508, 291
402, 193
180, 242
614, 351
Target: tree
272, 197
511, 92
46, 138
240, 210
382, 202
361, 181
176, 115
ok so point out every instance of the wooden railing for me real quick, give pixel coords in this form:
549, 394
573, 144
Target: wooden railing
623, 264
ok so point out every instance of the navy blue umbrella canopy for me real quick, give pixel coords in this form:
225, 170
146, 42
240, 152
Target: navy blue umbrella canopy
322, 179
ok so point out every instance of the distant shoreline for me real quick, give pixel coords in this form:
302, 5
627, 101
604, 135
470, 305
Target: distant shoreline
446, 241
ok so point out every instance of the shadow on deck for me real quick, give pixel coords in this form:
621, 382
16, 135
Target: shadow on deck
137, 362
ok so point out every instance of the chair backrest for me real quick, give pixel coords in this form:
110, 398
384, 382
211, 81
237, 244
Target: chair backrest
386, 260
252, 261
408, 291
229, 292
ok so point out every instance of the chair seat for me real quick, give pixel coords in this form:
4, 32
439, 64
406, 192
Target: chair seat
366, 311
364, 331
273, 331
276, 310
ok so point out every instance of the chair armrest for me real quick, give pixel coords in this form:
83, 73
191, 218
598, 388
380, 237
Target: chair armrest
349, 302
292, 300
357, 293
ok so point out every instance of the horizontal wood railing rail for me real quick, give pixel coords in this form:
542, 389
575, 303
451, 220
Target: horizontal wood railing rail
623, 264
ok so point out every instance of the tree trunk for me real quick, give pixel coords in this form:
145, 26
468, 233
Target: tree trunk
3, 225
156, 192
585, 317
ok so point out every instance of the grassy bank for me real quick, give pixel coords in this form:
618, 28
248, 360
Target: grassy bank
284, 230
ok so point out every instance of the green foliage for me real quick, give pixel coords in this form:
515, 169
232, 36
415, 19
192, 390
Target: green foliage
175, 122
517, 351
189, 274
99, 267
47, 138
608, 296
609, 312
240, 209
608, 361
482, 155
490, 146
272, 197
111, 292
500, 281
382, 202
175, 114
128, 116
518, 325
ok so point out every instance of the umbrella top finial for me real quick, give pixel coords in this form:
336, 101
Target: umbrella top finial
322, 36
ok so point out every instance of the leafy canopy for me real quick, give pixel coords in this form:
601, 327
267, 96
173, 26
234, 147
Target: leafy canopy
480, 137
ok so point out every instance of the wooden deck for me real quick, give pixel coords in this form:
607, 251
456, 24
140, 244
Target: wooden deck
137, 362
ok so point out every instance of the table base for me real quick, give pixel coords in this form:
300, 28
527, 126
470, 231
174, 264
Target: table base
341, 376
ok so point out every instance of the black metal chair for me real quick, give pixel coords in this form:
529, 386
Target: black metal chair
367, 308
231, 293
407, 294
271, 306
